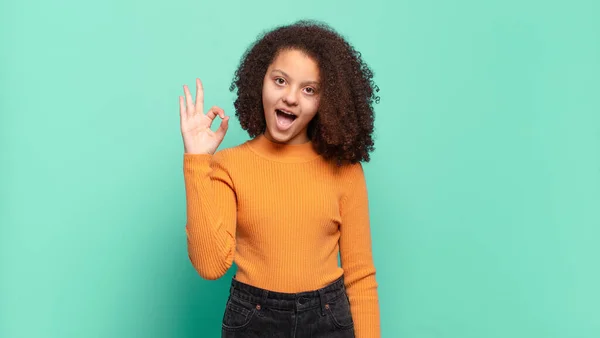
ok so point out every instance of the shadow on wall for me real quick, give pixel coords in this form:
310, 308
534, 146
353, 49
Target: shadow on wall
202, 306
174, 301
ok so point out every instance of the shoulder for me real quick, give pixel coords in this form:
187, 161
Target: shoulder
231, 155
346, 175
350, 172
354, 188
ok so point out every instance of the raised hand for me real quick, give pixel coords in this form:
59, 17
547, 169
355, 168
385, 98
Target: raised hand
198, 138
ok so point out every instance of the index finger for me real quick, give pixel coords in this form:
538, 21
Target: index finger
199, 96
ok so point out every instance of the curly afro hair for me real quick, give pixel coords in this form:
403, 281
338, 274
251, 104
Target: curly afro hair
343, 126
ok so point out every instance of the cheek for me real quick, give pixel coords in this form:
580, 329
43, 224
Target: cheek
264, 94
313, 106
269, 95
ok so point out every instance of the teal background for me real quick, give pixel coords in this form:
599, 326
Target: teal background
484, 188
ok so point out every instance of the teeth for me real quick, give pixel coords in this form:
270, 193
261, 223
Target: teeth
286, 112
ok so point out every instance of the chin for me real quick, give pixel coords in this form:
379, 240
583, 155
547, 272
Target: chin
277, 137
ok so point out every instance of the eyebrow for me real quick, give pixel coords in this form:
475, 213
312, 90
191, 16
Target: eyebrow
286, 75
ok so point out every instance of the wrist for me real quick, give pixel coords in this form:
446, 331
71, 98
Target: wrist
196, 150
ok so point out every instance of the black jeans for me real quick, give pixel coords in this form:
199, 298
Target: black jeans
254, 312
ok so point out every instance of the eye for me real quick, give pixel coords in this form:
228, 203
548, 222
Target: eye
280, 81
310, 90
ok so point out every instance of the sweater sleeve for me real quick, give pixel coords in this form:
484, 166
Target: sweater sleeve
356, 257
211, 214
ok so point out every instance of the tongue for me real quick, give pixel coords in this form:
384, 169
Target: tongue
284, 119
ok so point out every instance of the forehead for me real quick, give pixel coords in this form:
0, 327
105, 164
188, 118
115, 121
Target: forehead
296, 64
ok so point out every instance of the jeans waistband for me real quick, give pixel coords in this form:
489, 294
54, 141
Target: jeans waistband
288, 301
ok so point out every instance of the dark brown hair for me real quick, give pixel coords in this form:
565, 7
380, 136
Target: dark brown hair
343, 126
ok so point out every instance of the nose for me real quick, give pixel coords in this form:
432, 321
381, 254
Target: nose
290, 97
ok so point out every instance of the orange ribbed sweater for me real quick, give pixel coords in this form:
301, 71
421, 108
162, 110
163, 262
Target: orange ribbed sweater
283, 214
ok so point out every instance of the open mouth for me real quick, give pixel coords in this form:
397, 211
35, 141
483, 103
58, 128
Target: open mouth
285, 118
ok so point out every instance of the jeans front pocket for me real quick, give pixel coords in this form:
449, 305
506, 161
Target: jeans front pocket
238, 314
339, 312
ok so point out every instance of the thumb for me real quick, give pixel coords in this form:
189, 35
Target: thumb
223, 128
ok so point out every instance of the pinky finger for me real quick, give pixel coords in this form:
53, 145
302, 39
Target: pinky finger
182, 112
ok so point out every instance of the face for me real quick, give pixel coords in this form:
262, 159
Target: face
290, 96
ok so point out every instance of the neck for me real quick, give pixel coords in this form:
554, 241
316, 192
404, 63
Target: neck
283, 152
